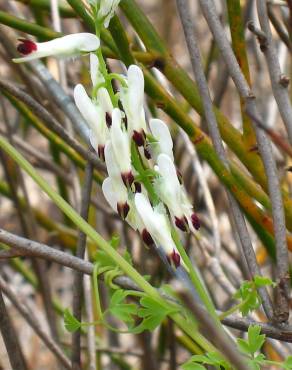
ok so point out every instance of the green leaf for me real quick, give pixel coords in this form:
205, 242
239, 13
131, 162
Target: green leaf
123, 311
254, 342
249, 296
255, 339
211, 358
218, 360
70, 322
192, 366
262, 281
152, 312
243, 345
200, 358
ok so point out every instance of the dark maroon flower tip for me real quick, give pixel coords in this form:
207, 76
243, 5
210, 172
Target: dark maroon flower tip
128, 178
123, 210
182, 223
139, 137
147, 153
100, 151
174, 259
108, 119
26, 46
125, 120
147, 238
195, 221
138, 187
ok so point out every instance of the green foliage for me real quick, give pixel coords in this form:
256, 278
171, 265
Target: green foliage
121, 310
70, 322
211, 358
248, 294
153, 313
254, 341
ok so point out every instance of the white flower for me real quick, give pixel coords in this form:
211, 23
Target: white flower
174, 196
121, 147
116, 195
157, 225
101, 95
164, 142
113, 187
95, 116
107, 10
66, 46
132, 98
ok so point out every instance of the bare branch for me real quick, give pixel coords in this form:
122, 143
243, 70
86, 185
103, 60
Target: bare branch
31, 320
9, 335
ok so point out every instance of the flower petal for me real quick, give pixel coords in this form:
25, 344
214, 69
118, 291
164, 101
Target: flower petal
120, 143
161, 133
66, 46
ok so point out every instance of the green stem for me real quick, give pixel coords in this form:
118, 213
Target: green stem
96, 291
231, 310
137, 164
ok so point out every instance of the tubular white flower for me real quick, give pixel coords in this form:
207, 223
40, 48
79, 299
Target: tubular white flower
121, 147
66, 46
164, 142
174, 196
95, 116
116, 195
104, 100
157, 225
113, 187
132, 98
107, 10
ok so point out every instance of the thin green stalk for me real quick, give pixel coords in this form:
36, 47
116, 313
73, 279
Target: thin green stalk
232, 310
106, 247
27, 27
96, 292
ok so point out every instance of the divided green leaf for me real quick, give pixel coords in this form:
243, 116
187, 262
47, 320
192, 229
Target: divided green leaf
254, 342
70, 322
123, 311
211, 358
152, 312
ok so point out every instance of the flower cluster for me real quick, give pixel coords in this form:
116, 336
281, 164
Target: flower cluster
117, 131
153, 199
